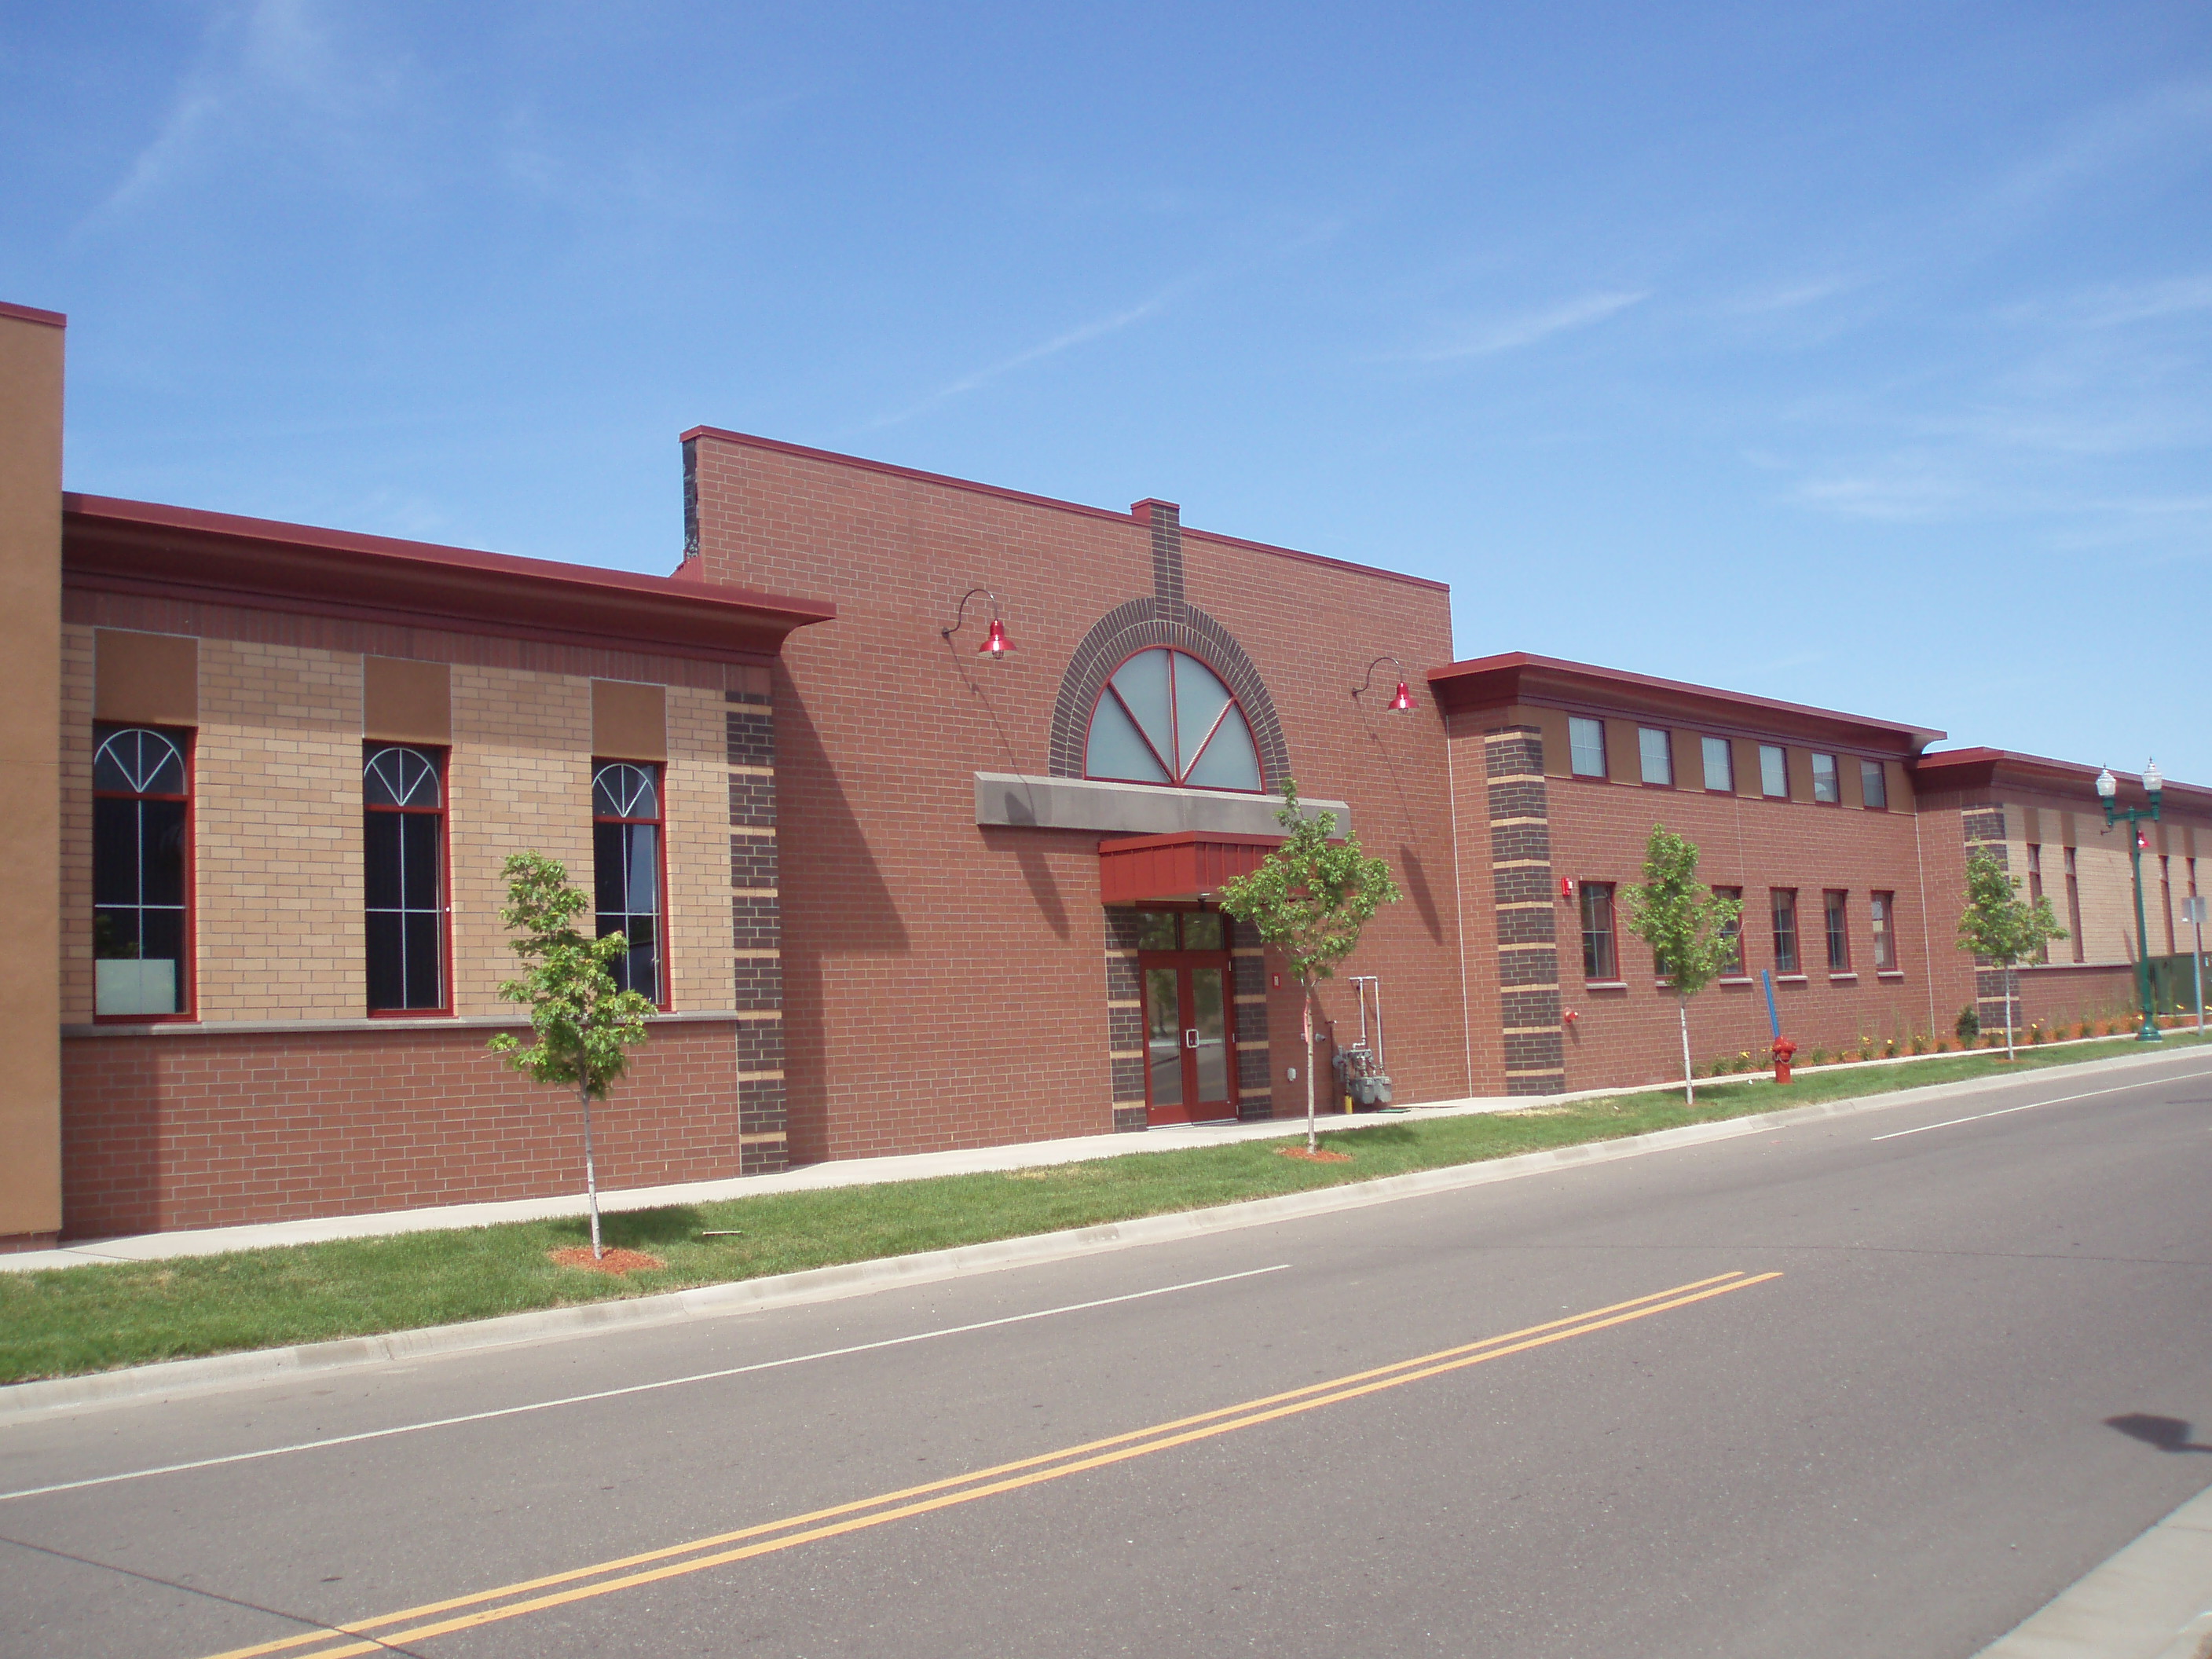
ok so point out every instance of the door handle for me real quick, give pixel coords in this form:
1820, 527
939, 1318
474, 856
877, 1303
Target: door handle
1190, 1037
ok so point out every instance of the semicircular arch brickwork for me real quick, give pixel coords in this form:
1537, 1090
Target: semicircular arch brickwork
1128, 629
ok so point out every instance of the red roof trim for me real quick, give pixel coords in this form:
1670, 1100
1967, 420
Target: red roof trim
1483, 680
1109, 848
1978, 769
144, 547
33, 315
889, 470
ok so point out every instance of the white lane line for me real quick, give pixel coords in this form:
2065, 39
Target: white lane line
633, 1388
1952, 1122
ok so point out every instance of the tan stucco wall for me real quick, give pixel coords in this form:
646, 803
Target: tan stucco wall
30, 790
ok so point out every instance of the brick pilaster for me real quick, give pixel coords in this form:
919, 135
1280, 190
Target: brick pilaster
1521, 883
1125, 1021
756, 934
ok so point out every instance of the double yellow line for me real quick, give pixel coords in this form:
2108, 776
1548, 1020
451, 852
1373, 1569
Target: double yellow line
628, 1572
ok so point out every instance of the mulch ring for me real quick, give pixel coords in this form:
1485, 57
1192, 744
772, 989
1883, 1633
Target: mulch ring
614, 1261
1323, 1156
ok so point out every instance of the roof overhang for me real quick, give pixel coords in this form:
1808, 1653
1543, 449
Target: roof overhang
1521, 676
2002, 768
138, 547
1189, 865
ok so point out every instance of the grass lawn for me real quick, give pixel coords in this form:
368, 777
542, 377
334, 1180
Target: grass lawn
61, 1322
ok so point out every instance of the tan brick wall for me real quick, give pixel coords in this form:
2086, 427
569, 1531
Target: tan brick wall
276, 833
76, 825
697, 810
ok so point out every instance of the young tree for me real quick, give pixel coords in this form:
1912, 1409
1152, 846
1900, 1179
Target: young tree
583, 1021
1309, 899
1685, 923
2000, 925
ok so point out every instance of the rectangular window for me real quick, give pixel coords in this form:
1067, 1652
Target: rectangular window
1873, 784
403, 797
1826, 787
2073, 906
141, 872
2035, 892
1881, 911
1657, 754
1586, 746
1720, 769
1839, 935
1773, 772
1600, 961
1733, 933
1785, 930
626, 853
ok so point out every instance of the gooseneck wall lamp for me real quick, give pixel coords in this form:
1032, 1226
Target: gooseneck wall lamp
2108, 789
995, 644
1403, 700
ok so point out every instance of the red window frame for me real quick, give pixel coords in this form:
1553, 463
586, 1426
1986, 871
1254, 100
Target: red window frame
441, 765
185, 739
657, 771
1175, 718
1882, 922
1782, 901
1836, 923
1734, 933
1600, 934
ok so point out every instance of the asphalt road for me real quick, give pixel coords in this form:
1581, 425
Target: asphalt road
1834, 1390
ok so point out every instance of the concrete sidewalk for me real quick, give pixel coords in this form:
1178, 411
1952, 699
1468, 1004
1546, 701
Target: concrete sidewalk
846, 1172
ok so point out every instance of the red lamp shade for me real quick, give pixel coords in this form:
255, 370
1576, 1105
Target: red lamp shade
994, 642
1404, 700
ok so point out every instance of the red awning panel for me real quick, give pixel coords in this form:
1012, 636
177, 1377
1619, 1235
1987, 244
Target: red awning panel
1153, 869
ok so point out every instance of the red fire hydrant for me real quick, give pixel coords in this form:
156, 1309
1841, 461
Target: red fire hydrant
1783, 1049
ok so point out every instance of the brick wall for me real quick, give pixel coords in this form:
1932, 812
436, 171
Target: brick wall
212, 1130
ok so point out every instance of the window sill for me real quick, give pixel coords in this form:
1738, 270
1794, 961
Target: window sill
1791, 979
1842, 979
1889, 973
1605, 985
1735, 979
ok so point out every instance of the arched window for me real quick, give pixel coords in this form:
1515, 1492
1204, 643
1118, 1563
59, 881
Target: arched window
403, 831
141, 872
626, 870
1165, 717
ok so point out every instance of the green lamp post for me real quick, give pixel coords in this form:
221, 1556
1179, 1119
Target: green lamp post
2108, 787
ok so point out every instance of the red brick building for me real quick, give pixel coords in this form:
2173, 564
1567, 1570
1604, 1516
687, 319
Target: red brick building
891, 892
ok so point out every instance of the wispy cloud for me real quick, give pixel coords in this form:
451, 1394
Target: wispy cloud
1527, 328
1096, 329
1791, 296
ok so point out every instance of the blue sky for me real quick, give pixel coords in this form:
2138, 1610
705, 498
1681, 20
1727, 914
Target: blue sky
1857, 354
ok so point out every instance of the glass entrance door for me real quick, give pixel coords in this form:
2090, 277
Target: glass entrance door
1187, 1046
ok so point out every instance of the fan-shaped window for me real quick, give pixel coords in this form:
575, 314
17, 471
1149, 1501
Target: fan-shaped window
626, 870
402, 834
1166, 718
141, 874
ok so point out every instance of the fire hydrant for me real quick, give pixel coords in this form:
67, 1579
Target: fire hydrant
1783, 1049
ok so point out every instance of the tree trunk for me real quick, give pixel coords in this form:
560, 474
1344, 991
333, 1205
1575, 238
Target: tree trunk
2008, 1050
1689, 1071
1313, 1136
591, 1178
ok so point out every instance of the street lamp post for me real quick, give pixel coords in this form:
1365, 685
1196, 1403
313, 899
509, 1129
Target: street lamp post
2108, 787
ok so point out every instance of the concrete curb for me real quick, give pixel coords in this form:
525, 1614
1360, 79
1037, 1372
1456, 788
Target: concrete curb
2152, 1601
180, 1376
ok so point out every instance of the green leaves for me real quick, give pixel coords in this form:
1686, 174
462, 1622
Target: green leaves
1313, 895
583, 1022
1681, 919
1999, 924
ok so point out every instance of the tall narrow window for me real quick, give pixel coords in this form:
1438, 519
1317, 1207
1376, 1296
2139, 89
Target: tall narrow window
141, 872
626, 870
1657, 754
1586, 746
1873, 784
1825, 788
1732, 935
1720, 766
402, 798
1600, 960
1833, 904
1881, 911
1773, 772
2035, 893
1785, 930
2073, 906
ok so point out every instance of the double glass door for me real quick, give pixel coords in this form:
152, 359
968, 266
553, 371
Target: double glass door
1189, 1053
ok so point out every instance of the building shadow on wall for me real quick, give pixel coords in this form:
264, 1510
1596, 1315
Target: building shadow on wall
834, 903
1036, 870
1417, 887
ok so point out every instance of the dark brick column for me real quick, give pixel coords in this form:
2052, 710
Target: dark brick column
1520, 887
756, 934
1125, 1021
1983, 828
1255, 1086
